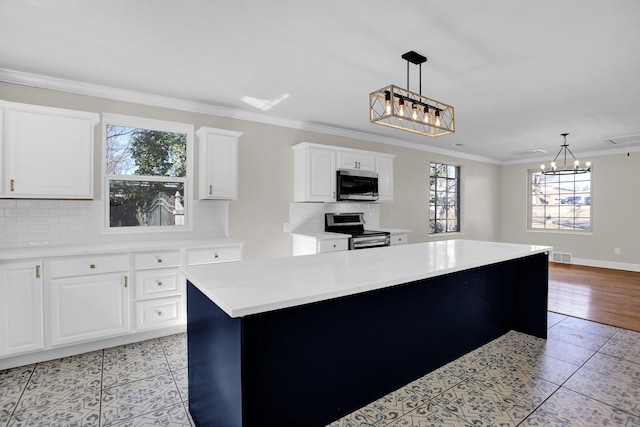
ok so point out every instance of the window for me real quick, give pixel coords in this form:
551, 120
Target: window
146, 165
560, 202
444, 198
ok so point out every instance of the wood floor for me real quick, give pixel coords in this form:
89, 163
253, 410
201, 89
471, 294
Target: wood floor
602, 295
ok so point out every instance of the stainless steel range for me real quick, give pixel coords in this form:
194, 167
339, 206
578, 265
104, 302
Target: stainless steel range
353, 224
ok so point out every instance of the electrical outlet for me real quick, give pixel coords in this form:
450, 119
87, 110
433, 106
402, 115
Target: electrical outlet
616, 251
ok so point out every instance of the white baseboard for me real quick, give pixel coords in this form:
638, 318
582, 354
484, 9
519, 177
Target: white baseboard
606, 264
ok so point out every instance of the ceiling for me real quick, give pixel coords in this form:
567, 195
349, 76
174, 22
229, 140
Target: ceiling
518, 73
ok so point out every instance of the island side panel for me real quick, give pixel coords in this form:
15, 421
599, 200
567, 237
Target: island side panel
532, 287
214, 344
312, 364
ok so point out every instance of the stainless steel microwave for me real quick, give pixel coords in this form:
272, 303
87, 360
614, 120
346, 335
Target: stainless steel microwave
357, 185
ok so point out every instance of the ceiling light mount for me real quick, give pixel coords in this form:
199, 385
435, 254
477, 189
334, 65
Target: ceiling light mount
402, 109
565, 169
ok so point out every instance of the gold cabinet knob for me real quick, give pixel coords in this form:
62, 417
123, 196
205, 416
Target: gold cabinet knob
159, 260
215, 255
92, 266
159, 283
159, 313
210, 189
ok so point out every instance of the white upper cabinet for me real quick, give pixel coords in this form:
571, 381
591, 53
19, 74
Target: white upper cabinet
354, 160
314, 173
384, 168
48, 152
315, 166
218, 163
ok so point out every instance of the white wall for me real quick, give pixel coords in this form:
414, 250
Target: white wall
615, 205
265, 185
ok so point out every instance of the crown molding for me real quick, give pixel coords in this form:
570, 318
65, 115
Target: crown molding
90, 89
584, 155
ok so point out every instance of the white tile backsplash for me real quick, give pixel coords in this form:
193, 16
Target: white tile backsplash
25, 223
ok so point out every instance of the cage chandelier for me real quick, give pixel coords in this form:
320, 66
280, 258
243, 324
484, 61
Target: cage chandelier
565, 169
402, 109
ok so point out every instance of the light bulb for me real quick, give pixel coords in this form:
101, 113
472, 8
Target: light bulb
553, 165
438, 123
414, 111
388, 106
401, 107
588, 164
426, 115
542, 167
576, 163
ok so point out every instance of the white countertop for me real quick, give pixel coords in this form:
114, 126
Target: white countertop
249, 287
45, 251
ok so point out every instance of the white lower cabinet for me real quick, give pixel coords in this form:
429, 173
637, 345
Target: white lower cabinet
160, 290
302, 244
20, 308
63, 304
212, 255
399, 239
86, 307
159, 312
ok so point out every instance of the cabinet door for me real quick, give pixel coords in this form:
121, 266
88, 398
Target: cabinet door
384, 168
218, 154
352, 160
321, 167
89, 307
49, 152
20, 308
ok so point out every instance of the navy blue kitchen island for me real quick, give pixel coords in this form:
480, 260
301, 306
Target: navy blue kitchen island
304, 341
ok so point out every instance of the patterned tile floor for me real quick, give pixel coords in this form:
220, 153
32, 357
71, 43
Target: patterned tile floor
584, 374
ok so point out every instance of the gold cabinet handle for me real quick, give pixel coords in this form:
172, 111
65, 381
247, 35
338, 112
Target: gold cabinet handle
159, 283
126, 281
334, 195
210, 189
11, 181
37, 271
92, 266
215, 255
159, 313
159, 260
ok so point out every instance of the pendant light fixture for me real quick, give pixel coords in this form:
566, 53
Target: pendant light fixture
402, 109
565, 169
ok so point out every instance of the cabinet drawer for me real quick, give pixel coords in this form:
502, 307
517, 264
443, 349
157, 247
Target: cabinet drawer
80, 266
159, 259
399, 239
157, 313
211, 255
333, 245
155, 283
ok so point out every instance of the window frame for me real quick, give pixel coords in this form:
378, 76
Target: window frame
574, 230
458, 181
188, 180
